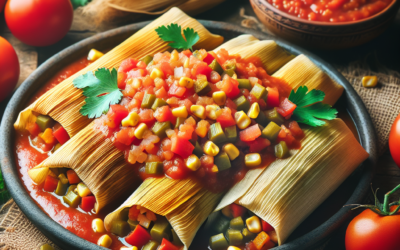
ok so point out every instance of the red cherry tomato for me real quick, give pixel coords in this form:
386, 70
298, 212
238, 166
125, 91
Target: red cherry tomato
9, 68
394, 141
370, 231
39, 22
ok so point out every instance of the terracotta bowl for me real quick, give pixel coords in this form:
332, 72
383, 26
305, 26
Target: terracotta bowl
323, 35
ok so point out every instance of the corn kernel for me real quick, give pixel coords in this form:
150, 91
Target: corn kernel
214, 169
253, 224
186, 64
233, 248
156, 73
210, 148
211, 111
231, 151
219, 97
174, 55
252, 160
129, 248
254, 110
98, 226
242, 120
94, 55
186, 82
131, 120
369, 81
199, 111
193, 162
180, 112
136, 83
139, 131
83, 190
105, 241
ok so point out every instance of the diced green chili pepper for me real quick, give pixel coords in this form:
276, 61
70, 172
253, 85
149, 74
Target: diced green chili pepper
133, 224
198, 150
151, 245
147, 59
230, 64
229, 72
235, 237
242, 104
71, 188
214, 65
72, 199
179, 121
175, 239
120, 228
244, 84
158, 103
262, 119
61, 188
231, 133
218, 242
154, 168
247, 235
160, 230
281, 150
259, 91
273, 116
55, 171
159, 129
221, 224
202, 87
62, 178
222, 161
124, 214
216, 134
44, 121
148, 101
57, 146
271, 131
46, 247
237, 223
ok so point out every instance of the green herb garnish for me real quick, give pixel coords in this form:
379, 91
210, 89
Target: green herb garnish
4, 194
309, 107
173, 34
101, 90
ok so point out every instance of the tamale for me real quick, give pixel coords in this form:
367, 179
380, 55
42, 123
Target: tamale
289, 190
63, 102
184, 203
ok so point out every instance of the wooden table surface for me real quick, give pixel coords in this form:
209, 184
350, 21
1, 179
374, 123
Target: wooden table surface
385, 49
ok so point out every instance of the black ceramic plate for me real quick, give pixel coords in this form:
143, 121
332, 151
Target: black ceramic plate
311, 233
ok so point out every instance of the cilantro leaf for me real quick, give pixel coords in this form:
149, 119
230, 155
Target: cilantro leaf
101, 90
173, 34
309, 107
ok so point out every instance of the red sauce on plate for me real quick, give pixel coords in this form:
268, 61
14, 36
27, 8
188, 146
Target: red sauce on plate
333, 11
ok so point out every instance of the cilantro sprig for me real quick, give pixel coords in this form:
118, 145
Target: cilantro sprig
173, 34
101, 91
309, 108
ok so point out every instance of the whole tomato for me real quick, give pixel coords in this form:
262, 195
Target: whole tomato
394, 141
39, 22
9, 68
371, 231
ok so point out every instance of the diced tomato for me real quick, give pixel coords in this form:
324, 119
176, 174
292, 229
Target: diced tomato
61, 135
50, 184
73, 178
147, 116
187, 52
127, 64
135, 73
133, 213
176, 168
208, 59
176, 90
251, 133
166, 245
121, 80
167, 69
258, 144
230, 104
181, 147
115, 115
87, 203
141, 65
226, 119
286, 108
126, 136
237, 210
296, 130
286, 136
138, 237
203, 69
164, 114
185, 131
230, 86
33, 129
266, 226
273, 97
250, 246
161, 93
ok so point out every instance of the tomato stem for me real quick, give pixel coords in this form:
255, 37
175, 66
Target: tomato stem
386, 205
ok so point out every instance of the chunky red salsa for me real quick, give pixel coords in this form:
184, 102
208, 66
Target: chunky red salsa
331, 10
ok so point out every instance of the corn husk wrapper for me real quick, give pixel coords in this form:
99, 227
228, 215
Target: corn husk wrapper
271, 54
185, 204
64, 101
